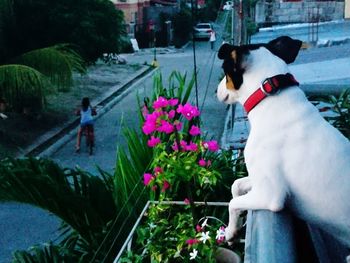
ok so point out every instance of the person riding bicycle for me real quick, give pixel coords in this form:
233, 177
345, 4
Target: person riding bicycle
86, 113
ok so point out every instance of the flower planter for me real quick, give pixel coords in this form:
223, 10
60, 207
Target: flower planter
180, 241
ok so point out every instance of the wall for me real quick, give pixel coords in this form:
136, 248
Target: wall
347, 9
132, 9
279, 12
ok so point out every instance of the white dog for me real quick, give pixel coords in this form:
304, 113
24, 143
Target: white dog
293, 156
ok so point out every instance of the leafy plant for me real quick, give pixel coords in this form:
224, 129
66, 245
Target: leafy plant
182, 23
340, 107
84, 202
184, 167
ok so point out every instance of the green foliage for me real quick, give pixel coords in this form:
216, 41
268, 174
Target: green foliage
210, 11
57, 63
26, 83
47, 253
168, 235
6, 23
176, 174
182, 23
84, 202
340, 106
129, 168
22, 87
95, 26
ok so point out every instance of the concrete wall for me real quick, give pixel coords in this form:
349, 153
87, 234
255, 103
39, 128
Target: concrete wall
279, 12
347, 9
132, 9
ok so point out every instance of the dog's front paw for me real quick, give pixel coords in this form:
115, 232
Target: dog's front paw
230, 233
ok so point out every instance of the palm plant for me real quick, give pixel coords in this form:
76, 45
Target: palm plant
26, 78
84, 202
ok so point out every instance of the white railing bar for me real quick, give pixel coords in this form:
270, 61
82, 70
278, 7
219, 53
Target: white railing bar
131, 232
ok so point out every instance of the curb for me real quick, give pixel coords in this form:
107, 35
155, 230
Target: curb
53, 140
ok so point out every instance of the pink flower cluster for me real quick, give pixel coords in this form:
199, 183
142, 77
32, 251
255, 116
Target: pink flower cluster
162, 120
211, 146
148, 178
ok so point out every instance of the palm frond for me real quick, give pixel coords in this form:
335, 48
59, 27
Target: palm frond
81, 200
42, 254
57, 63
22, 86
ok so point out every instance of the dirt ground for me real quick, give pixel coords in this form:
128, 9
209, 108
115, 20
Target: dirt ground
18, 131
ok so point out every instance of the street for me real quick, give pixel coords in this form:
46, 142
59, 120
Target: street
23, 226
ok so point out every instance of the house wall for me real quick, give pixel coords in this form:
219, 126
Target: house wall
279, 12
132, 9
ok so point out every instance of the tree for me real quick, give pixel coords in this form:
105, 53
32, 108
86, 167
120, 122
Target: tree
182, 23
95, 26
25, 78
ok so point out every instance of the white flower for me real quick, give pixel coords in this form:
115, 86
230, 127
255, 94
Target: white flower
220, 233
193, 254
205, 236
204, 224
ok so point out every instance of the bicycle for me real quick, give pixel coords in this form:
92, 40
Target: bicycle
88, 132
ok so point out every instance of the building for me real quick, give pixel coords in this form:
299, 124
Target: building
133, 10
299, 11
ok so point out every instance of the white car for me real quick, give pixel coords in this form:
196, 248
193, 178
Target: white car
203, 30
228, 6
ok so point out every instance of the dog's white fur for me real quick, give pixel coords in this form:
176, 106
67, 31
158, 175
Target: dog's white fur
293, 156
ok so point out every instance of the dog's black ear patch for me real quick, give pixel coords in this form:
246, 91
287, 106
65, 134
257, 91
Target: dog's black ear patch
285, 48
225, 51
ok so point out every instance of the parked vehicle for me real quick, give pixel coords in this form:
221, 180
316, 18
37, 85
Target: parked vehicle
202, 30
228, 6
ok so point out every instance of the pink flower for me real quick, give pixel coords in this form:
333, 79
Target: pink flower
175, 147
147, 178
195, 130
173, 102
198, 228
188, 111
148, 128
211, 145
154, 188
154, 116
171, 114
208, 163
202, 162
166, 185
154, 141
158, 170
165, 127
192, 147
187, 201
191, 241
150, 124
178, 125
161, 102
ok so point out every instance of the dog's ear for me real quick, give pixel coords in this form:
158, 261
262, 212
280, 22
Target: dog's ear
225, 51
285, 48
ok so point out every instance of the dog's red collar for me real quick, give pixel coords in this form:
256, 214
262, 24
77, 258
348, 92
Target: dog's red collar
269, 87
